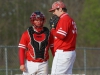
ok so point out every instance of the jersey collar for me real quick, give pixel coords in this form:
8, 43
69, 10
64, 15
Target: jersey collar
63, 15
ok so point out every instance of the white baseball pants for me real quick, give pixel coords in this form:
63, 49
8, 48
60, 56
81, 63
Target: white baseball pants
63, 62
36, 68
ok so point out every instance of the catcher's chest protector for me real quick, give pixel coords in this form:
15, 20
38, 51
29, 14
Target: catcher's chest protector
39, 41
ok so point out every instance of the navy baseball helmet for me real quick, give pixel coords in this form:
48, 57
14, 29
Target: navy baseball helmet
37, 15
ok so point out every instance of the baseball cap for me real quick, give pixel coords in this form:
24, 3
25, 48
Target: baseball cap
57, 4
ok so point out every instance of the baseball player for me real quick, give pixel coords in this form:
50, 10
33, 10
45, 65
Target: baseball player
64, 29
34, 45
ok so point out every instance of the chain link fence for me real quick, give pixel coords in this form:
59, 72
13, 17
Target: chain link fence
87, 61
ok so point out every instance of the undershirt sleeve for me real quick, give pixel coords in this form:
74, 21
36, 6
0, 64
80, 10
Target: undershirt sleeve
51, 41
21, 56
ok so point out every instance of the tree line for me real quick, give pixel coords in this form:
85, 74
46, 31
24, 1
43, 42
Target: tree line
15, 18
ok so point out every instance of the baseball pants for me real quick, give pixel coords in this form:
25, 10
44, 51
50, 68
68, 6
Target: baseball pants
63, 62
36, 68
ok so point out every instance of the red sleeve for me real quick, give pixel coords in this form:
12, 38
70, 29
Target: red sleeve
51, 40
54, 33
62, 28
21, 56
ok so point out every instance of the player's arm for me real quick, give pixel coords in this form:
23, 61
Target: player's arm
22, 59
62, 28
58, 34
53, 23
22, 49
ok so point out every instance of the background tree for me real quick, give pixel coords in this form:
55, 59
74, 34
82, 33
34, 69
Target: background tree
15, 16
15, 19
88, 24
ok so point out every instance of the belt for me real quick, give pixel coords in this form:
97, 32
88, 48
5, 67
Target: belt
67, 50
64, 50
37, 60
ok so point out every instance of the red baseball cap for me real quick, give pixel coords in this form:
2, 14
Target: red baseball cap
57, 4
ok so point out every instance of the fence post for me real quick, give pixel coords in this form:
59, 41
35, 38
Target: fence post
11, 72
85, 61
6, 61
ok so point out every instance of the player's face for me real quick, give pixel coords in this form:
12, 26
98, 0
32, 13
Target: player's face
57, 12
38, 22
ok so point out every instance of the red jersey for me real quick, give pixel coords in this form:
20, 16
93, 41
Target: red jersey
36, 49
66, 28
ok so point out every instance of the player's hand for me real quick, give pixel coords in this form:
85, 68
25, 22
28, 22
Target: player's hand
53, 21
22, 68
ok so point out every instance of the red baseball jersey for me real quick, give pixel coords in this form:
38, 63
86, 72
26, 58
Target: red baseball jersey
67, 29
26, 47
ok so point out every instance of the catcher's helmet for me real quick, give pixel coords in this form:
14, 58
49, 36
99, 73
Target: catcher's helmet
37, 15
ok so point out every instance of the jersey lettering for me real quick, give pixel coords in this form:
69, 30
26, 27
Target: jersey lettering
74, 28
